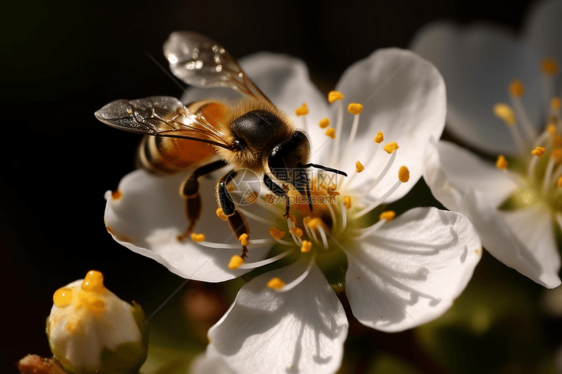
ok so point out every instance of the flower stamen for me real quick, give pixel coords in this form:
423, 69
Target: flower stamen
280, 286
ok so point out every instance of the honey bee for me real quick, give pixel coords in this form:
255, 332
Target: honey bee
249, 134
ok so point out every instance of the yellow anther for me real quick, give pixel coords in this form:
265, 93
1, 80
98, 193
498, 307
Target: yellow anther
296, 231
221, 214
306, 220
556, 155
230, 188
347, 202
559, 182
555, 103
388, 215
197, 238
558, 141
235, 262
306, 246
252, 197
355, 108
324, 122
501, 163
505, 113
516, 88
293, 219
62, 297
549, 66
332, 190
277, 234
404, 174
331, 133
93, 282
539, 151
302, 110
334, 96
359, 167
332, 187
276, 284
244, 240
313, 223
379, 138
551, 129
390, 147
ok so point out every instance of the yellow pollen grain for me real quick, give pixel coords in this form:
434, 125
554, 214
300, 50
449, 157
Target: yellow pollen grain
252, 197
334, 96
306, 246
549, 67
62, 297
355, 108
235, 262
276, 233
555, 103
296, 231
324, 122
275, 283
230, 188
390, 147
93, 282
501, 163
505, 113
244, 240
302, 110
539, 151
306, 220
91, 302
331, 133
559, 182
404, 174
551, 129
516, 88
388, 215
332, 190
347, 202
556, 155
379, 138
359, 167
197, 238
313, 223
221, 214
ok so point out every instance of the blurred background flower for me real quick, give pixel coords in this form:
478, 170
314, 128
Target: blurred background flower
61, 61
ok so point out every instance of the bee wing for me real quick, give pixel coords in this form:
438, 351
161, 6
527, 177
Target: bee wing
160, 116
202, 62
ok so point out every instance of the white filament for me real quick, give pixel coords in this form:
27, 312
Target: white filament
379, 200
349, 141
523, 118
296, 282
368, 231
548, 175
205, 243
257, 264
381, 175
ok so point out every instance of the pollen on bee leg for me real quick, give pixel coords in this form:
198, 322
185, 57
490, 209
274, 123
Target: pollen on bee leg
221, 214
276, 233
198, 238
390, 147
306, 246
275, 283
244, 240
235, 262
549, 67
347, 202
359, 167
331, 133
324, 122
501, 163
387, 215
379, 138
404, 174
538, 151
334, 96
516, 88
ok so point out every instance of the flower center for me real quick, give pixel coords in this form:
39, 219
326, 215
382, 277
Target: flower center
540, 155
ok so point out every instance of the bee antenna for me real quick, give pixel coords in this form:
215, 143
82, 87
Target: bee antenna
325, 168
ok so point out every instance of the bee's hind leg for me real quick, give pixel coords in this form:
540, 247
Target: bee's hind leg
189, 190
236, 220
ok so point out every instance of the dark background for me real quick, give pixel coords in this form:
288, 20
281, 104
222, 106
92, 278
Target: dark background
62, 60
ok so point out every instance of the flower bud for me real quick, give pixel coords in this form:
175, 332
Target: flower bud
91, 330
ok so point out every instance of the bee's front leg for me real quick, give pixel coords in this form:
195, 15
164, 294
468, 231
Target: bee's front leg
279, 191
236, 220
189, 190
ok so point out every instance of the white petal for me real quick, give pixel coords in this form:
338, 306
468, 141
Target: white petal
412, 269
403, 96
478, 63
285, 81
464, 170
205, 365
150, 214
298, 331
544, 28
523, 240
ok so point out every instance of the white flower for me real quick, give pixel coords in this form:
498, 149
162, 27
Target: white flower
400, 272
486, 67
91, 330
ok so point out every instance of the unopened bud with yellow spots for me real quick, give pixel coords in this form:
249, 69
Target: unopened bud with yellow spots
90, 330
